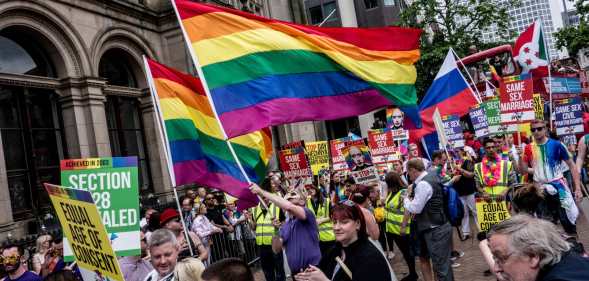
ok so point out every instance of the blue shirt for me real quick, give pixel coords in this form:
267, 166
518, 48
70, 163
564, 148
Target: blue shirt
27, 276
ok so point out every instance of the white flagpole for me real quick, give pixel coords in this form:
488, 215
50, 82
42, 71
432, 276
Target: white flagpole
478, 95
168, 153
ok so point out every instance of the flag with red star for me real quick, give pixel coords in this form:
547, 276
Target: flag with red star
530, 51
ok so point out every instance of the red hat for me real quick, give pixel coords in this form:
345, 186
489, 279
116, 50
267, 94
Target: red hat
168, 215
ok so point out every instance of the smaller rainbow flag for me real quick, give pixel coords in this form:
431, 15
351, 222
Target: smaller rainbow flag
199, 152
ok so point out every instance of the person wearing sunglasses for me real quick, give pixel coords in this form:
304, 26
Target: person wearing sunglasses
493, 175
355, 256
136, 268
14, 264
545, 159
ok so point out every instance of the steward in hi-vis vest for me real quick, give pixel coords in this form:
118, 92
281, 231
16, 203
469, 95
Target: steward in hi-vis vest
494, 175
320, 207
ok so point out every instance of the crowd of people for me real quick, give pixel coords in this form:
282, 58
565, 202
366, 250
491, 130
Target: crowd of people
331, 228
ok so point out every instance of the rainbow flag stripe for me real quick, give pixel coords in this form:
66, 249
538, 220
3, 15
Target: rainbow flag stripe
199, 153
276, 72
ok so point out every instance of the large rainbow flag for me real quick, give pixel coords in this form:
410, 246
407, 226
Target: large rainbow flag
199, 153
264, 72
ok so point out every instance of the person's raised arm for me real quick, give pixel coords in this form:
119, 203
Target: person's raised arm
581, 153
297, 211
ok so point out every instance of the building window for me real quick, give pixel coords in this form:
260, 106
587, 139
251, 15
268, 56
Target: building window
126, 134
32, 144
343, 127
389, 2
328, 8
20, 57
316, 15
369, 4
115, 68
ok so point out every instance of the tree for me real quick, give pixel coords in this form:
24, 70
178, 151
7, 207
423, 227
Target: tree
575, 38
452, 23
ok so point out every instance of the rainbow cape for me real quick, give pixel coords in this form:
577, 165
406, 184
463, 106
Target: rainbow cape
198, 152
264, 72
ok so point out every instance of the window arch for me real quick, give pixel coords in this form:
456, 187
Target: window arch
21, 55
116, 67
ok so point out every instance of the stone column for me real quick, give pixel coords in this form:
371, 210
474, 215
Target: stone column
5, 206
84, 118
154, 146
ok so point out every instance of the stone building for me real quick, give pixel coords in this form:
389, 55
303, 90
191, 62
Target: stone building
72, 85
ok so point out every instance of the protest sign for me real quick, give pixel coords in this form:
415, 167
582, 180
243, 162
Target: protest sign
338, 161
295, 144
82, 226
538, 107
490, 213
294, 164
318, 155
400, 135
479, 121
492, 110
382, 145
517, 101
114, 185
359, 162
453, 130
395, 118
568, 117
564, 85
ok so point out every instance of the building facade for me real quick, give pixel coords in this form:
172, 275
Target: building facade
72, 85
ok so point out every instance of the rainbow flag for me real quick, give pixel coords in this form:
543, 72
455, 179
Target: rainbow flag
199, 153
264, 72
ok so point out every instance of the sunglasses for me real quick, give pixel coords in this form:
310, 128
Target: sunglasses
537, 129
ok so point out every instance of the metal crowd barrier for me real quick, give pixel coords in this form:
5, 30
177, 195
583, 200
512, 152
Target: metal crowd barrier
226, 245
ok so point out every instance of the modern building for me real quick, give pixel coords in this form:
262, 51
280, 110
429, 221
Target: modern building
550, 12
72, 85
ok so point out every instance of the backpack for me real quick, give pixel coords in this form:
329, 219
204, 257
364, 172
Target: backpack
453, 206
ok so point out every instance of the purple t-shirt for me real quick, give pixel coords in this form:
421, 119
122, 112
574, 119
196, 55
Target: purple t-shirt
27, 276
301, 242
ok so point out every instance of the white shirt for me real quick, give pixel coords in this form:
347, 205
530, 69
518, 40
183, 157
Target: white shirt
423, 192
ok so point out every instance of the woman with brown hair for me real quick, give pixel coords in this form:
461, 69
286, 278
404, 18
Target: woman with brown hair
354, 257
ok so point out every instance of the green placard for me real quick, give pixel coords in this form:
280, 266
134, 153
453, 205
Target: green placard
114, 185
493, 112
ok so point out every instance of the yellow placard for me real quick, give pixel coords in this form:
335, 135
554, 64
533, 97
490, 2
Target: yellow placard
318, 155
85, 232
491, 213
538, 107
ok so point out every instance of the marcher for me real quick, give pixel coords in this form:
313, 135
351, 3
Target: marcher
398, 220
228, 269
136, 268
320, 206
493, 175
360, 194
434, 230
355, 257
299, 233
466, 188
170, 219
43, 245
163, 250
530, 249
14, 264
414, 153
545, 157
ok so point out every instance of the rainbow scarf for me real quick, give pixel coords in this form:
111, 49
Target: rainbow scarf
276, 72
199, 153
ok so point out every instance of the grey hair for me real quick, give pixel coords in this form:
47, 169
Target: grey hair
533, 237
160, 237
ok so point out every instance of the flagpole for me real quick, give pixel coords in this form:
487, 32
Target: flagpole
164, 139
209, 97
478, 95
547, 53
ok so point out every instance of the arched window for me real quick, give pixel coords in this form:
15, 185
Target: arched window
30, 124
115, 66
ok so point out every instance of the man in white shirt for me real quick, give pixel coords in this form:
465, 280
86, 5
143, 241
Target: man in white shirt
426, 202
163, 249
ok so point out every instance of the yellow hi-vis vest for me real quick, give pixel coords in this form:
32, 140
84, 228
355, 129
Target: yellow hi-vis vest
394, 213
325, 229
503, 182
264, 228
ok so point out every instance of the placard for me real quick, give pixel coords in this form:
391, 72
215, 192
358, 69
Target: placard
478, 119
295, 144
538, 107
359, 162
517, 101
114, 185
568, 117
564, 85
318, 155
491, 213
294, 163
453, 130
82, 226
493, 112
338, 161
382, 146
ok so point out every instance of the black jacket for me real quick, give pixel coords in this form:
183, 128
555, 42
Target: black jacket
363, 259
572, 267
